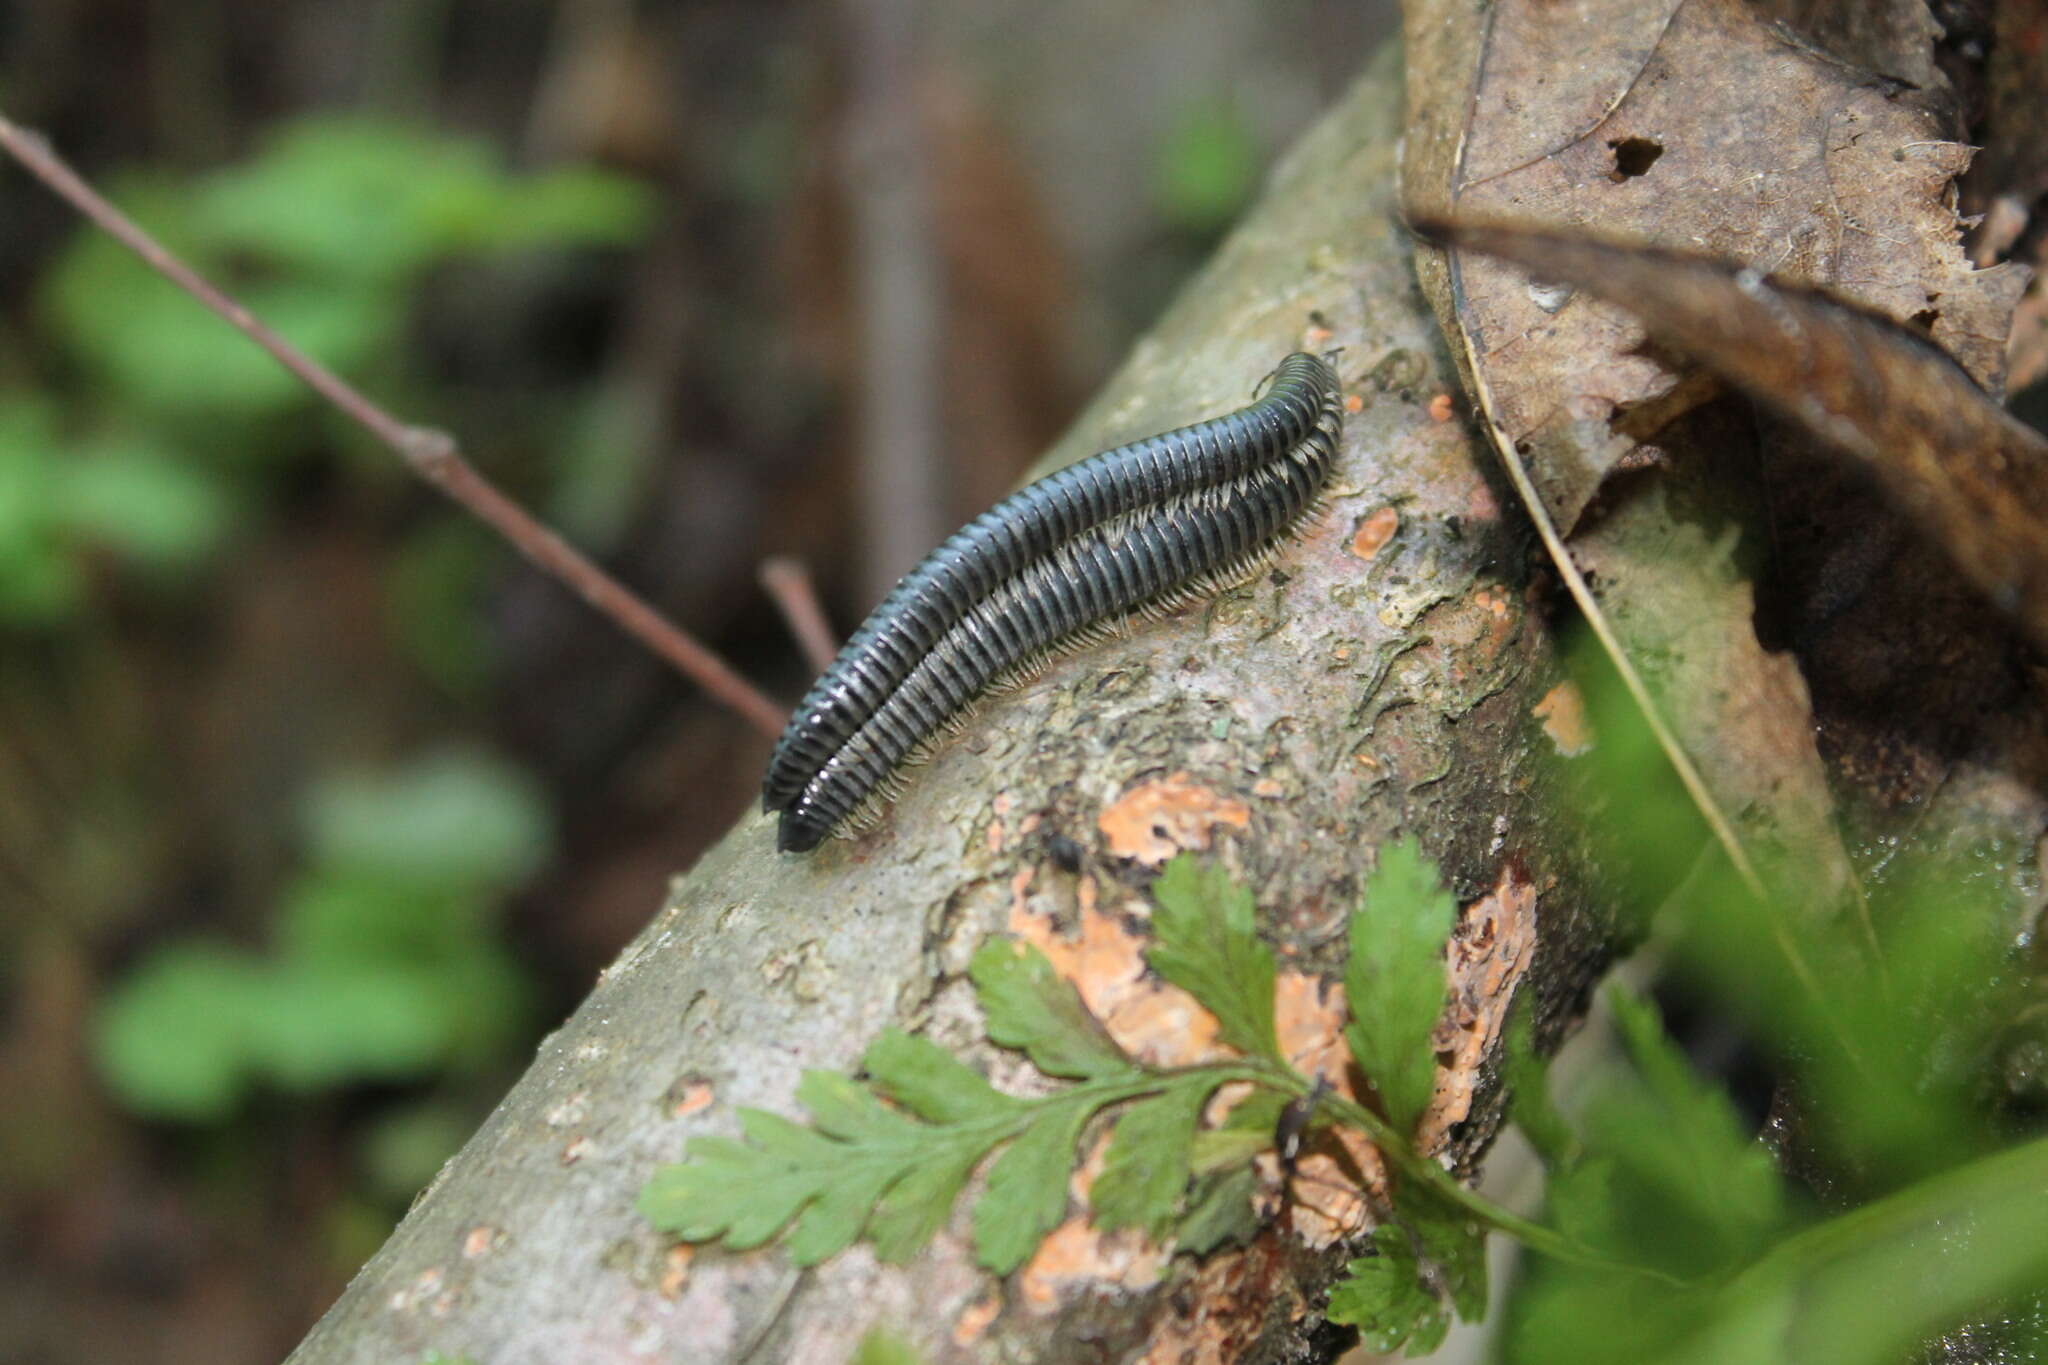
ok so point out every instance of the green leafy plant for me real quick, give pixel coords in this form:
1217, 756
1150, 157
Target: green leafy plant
61, 500
1933, 1213
1671, 1234
387, 966
886, 1156
173, 433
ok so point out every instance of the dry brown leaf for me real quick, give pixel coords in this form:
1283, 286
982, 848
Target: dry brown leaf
1700, 124
1974, 477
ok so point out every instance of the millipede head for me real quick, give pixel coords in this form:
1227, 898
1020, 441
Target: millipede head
800, 830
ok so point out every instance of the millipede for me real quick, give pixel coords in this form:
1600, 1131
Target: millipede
1133, 532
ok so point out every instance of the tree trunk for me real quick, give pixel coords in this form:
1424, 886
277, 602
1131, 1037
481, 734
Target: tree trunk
1380, 680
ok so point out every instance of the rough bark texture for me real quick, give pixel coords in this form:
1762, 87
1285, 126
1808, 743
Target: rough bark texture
1381, 679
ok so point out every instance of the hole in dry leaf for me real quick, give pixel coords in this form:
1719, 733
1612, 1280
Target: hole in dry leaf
1925, 319
1633, 156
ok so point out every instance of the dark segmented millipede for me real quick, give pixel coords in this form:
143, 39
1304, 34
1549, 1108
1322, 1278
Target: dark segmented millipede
1135, 530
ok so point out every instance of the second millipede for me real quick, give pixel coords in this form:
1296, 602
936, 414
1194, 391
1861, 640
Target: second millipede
1136, 530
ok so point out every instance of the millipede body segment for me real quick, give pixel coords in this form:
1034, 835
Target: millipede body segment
1135, 530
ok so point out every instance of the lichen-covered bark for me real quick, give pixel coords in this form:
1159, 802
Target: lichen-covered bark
1382, 679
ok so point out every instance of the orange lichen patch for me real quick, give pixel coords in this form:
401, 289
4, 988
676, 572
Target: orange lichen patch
1308, 1020
1157, 819
994, 838
1159, 1024
1490, 949
1020, 888
479, 1241
689, 1096
1440, 408
1501, 620
424, 1286
1353, 403
1563, 713
1078, 1256
675, 1271
1374, 532
971, 1324
1266, 787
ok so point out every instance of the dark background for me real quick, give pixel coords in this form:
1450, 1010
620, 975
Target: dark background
317, 807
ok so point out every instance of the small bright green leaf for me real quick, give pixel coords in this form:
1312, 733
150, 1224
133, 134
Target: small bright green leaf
917, 1204
1677, 1158
1205, 940
1452, 1242
1220, 1212
1394, 980
884, 1347
317, 1025
834, 1220
144, 503
175, 1038
1030, 1006
785, 1139
1027, 1189
1207, 169
1145, 1172
1384, 1298
349, 198
701, 1198
930, 1081
1586, 1202
769, 1197
1563, 1315
168, 357
579, 205
336, 916
847, 1110
1528, 1082
38, 580
459, 818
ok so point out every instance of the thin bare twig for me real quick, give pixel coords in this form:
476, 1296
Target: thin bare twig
788, 581
431, 454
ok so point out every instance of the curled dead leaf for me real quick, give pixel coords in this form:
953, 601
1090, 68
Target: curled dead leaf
1974, 477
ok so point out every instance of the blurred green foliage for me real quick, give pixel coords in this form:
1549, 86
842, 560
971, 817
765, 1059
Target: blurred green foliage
1882, 1028
114, 491
387, 966
325, 235
154, 439
1208, 168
